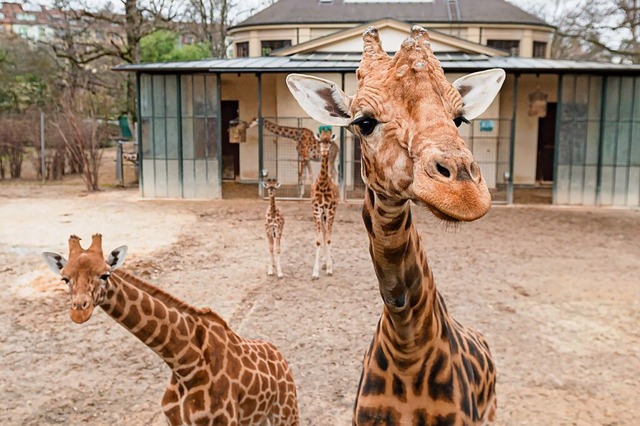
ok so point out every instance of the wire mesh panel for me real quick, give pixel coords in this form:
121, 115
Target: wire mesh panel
281, 157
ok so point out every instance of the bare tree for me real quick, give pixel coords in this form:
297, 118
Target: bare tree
210, 19
602, 30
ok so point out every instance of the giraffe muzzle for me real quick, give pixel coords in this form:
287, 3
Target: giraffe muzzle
81, 310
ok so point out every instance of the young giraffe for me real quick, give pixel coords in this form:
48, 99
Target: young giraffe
324, 199
308, 148
217, 377
273, 223
423, 367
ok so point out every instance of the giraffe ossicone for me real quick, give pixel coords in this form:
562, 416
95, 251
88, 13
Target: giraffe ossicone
423, 366
217, 377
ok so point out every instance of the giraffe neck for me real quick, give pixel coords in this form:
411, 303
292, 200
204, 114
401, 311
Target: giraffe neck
163, 323
284, 131
272, 204
323, 175
413, 309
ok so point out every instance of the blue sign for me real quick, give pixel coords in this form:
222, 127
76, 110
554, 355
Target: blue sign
486, 125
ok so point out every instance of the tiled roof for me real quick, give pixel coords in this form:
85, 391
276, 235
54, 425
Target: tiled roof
337, 11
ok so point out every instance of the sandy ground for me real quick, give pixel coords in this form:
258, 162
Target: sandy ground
556, 291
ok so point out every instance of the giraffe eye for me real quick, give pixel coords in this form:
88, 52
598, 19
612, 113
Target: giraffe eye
459, 120
104, 277
365, 125
65, 279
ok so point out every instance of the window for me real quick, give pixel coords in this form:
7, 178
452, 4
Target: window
1, 15
510, 46
242, 50
539, 49
269, 45
25, 17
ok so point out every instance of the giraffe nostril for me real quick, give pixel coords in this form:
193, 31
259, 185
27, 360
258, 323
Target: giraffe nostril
443, 170
85, 305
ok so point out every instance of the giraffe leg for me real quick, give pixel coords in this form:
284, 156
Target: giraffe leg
309, 171
316, 266
271, 257
329, 226
277, 250
300, 177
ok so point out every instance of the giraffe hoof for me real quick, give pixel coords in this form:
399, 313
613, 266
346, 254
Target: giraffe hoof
270, 274
315, 277
280, 276
330, 273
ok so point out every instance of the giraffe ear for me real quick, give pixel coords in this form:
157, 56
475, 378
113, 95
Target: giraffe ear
334, 137
116, 257
322, 99
54, 261
264, 185
277, 185
478, 90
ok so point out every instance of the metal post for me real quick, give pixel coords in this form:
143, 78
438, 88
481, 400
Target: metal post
603, 104
42, 153
512, 140
260, 142
342, 181
556, 149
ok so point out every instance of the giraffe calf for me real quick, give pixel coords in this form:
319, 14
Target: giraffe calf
273, 223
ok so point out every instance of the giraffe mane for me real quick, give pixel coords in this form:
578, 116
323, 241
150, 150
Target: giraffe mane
167, 298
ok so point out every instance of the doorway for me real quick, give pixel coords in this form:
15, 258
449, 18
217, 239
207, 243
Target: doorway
546, 144
230, 151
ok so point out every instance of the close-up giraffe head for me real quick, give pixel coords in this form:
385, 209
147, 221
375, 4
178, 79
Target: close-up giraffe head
405, 114
86, 272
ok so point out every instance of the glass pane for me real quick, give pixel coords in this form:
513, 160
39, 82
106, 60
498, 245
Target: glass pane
568, 97
171, 86
578, 142
593, 136
636, 102
577, 183
158, 96
212, 138
612, 98
620, 186
622, 151
626, 98
173, 182
187, 95
161, 178
188, 151
146, 109
561, 195
172, 138
564, 143
582, 98
212, 95
159, 138
606, 186
199, 94
633, 199
634, 155
609, 143
147, 134
148, 179
590, 180
595, 98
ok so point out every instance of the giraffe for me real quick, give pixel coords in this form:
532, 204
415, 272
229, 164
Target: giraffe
423, 367
273, 223
307, 146
217, 377
324, 199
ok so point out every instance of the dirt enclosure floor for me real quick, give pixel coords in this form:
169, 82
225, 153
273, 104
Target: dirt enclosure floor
556, 292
